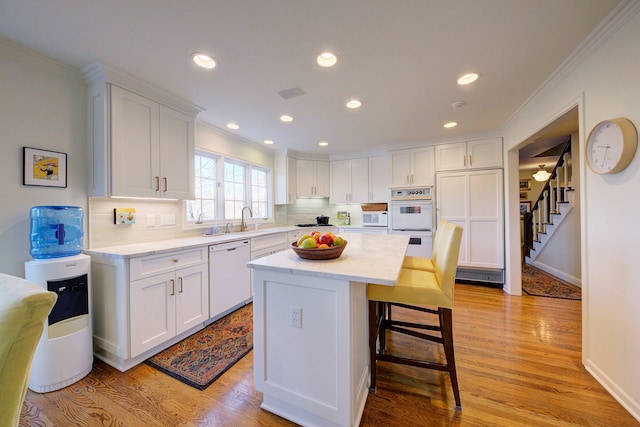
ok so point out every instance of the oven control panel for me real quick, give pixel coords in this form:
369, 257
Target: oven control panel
411, 193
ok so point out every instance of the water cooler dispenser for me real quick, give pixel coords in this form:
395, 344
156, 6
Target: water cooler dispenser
65, 352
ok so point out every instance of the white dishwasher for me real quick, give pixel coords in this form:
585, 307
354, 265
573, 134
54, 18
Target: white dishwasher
229, 277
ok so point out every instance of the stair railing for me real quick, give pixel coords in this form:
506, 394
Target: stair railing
548, 201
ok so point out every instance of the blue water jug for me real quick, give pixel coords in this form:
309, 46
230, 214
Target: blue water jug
56, 231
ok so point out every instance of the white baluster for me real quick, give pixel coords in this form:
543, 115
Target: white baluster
566, 175
553, 200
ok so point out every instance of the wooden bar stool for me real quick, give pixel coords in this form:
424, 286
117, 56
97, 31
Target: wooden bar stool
424, 291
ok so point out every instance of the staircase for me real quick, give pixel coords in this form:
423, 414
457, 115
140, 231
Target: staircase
554, 203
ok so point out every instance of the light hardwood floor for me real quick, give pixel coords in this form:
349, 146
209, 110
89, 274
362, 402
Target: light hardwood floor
518, 358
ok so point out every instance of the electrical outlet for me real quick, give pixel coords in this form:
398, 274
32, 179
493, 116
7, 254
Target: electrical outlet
167, 219
151, 220
296, 317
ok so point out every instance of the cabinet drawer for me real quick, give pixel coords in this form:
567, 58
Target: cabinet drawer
260, 243
155, 264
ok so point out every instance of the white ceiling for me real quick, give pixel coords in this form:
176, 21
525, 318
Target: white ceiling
402, 58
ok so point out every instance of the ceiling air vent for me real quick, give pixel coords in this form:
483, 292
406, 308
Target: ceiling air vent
291, 93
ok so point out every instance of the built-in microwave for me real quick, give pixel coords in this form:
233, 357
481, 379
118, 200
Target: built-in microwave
374, 219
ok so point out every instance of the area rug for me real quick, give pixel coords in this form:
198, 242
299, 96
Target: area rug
539, 283
201, 358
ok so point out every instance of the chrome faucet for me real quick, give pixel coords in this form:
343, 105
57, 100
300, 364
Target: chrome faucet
227, 228
243, 224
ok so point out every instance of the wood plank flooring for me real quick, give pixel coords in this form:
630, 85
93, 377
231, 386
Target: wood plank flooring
518, 358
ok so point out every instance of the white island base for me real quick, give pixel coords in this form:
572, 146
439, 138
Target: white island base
311, 357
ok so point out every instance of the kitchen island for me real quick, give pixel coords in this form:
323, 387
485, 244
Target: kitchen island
311, 357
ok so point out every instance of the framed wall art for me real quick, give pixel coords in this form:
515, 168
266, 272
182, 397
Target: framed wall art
44, 168
525, 184
525, 207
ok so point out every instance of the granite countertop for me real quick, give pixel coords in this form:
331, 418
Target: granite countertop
152, 248
371, 258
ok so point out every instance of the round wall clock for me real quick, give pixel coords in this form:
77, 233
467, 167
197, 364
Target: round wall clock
611, 146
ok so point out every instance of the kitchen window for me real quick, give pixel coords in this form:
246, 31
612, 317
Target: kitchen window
224, 186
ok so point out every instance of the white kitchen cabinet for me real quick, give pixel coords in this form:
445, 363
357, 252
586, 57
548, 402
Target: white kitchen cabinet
412, 167
378, 179
167, 305
286, 181
478, 154
473, 200
144, 304
142, 141
350, 181
313, 178
152, 148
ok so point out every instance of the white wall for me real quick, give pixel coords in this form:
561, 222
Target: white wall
604, 85
42, 105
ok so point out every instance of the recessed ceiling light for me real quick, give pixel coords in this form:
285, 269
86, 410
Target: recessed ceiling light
450, 125
233, 126
458, 104
468, 78
327, 59
323, 143
354, 103
203, 60
268, 141
286, 118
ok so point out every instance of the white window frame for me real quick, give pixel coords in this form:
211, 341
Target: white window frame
220, 218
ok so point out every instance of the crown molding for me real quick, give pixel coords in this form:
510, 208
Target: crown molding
617, 18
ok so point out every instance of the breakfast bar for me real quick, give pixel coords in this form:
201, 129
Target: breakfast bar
311, 359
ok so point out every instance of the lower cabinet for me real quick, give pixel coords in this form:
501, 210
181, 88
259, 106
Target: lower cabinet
144, 304
167, 305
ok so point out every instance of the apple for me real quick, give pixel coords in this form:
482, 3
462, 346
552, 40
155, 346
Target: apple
326, 239
302, 239
309, 243
338, 241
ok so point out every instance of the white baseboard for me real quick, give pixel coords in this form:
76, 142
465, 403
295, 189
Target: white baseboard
559, 274
618, 394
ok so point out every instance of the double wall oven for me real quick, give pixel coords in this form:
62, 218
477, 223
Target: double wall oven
412, 213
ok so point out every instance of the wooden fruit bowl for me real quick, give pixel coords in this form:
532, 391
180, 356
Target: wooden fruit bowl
319, 254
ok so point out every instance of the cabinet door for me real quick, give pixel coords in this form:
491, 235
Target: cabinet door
306, 178
177, 151
359, 177
192, 297
485, 219
400, 168
452, 205
378, 179
134, 144
153, 308
285, 179
322, 179
485, 153
422, 166
451, 156
340, 181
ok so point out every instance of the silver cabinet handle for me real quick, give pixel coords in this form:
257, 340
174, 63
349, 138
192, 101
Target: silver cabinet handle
173, 287
157, 183
180, 278
166, 184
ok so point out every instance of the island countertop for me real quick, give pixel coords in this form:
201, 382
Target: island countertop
369, 258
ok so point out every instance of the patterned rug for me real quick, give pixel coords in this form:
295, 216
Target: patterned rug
201, 358
538, 283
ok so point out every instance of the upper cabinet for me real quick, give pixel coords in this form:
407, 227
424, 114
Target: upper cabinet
286, 182
142, 142
361, 180
412, 167
350, 181
313, 178
479, 154
378, 179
